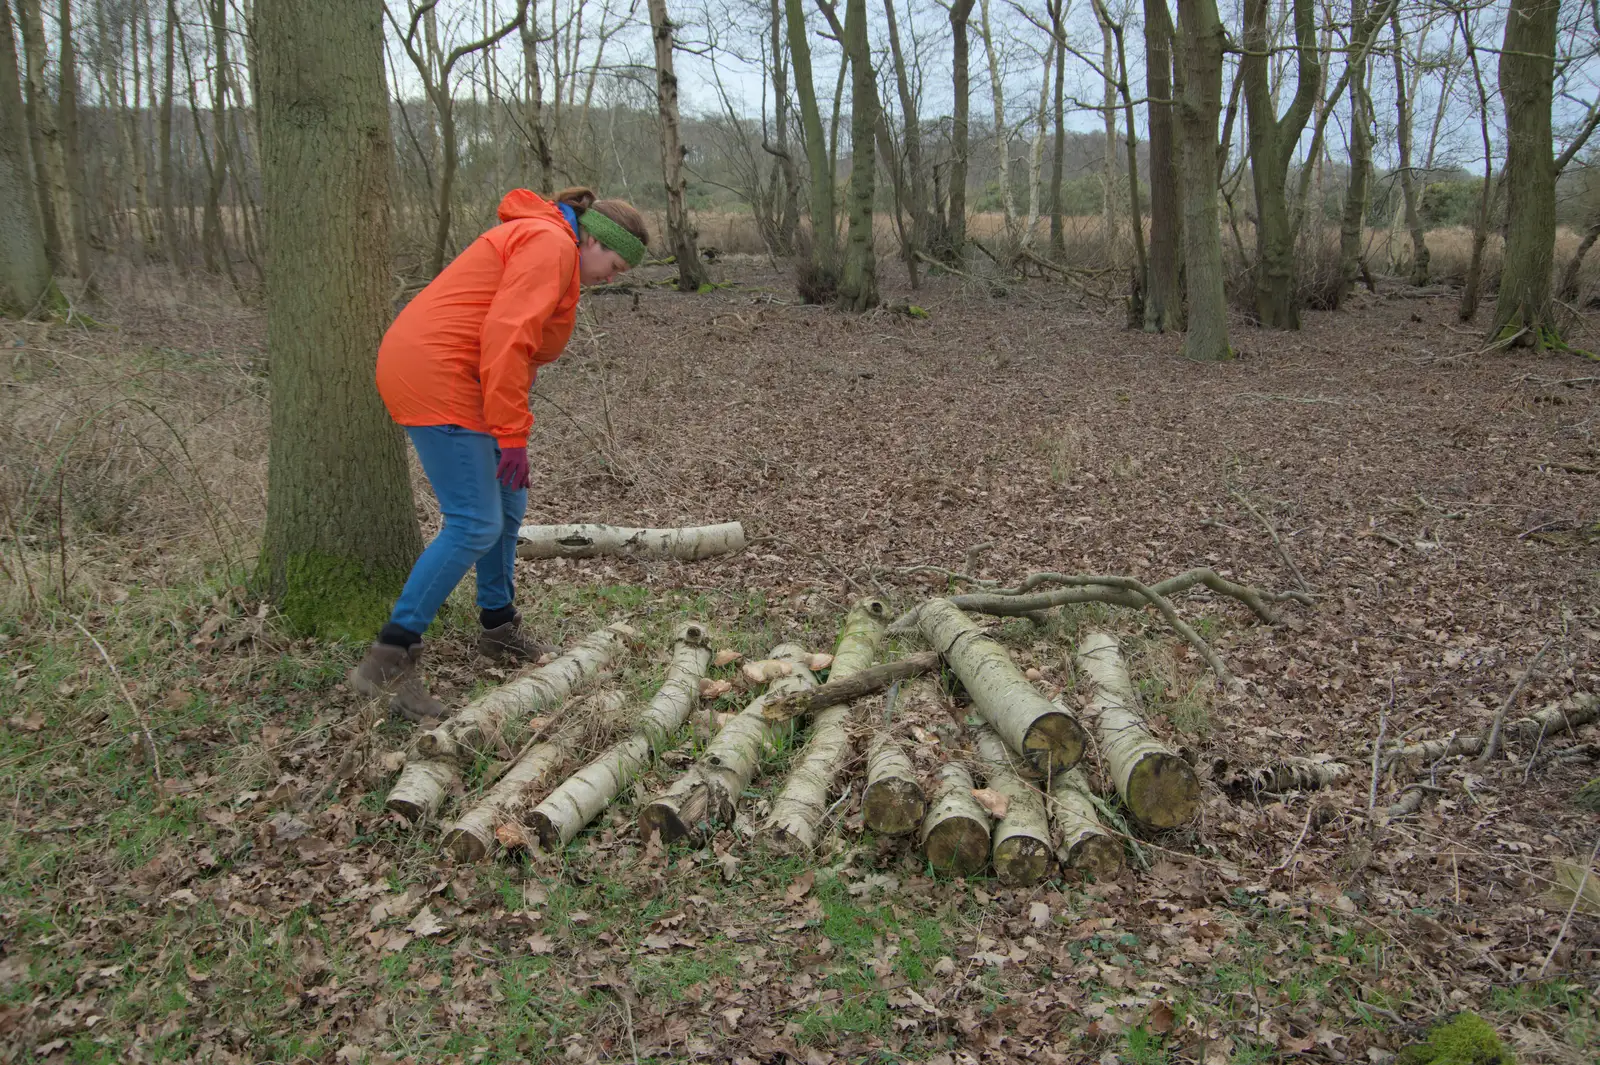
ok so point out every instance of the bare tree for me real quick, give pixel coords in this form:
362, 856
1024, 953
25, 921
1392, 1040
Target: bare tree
858, 284
1199, 102
680, 232
1163, 299
24, 267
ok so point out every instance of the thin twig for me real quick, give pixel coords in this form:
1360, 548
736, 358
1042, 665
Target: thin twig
144, 726
1491, 748
1296, 848
1577, 896
1283, 552
1377, 749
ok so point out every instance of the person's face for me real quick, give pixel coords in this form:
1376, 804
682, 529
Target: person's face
598, 264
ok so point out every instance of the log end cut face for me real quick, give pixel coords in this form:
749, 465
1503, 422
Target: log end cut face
1054, 743
894, 807
413, 810
465, 846
549, 833
1163, 791
1021, 861
958, 846
1099, 856
659, 819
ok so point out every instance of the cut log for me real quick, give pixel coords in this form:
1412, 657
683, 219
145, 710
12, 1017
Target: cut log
955, 834
472, 838
708, 793
1047, 737
439, 755
893, 803
1080, 840
798, 810
589, 541
848, 687
1021, 848
1293, 774
562, 815
1159, 788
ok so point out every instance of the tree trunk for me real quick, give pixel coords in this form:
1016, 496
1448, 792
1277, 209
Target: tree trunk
1108, 116
440, 754
1036, 149
688, 544
533, 108
680, 231
341, 530
501, 812
824, 263
858, 286
1159, 788
1021, 848
24, 267
955, 834
44, 137
1522, 312
1352, 224
847, 687
1163, 298
1050, 740
1272, 144
1480, 229
798, 809
917, 180
1199, 102
1408, 182
708, 794
72, 152
790, 215
216, 236
1080, 841
169, 191
1002, 136
579, 800
1058, 161
449, 163
955, 223
1569, 276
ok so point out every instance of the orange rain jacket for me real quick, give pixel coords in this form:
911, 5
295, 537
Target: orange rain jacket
465, 350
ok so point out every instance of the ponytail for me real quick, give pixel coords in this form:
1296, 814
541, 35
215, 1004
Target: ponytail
578, 198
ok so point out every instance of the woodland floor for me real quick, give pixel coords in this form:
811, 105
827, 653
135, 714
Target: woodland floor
246, 898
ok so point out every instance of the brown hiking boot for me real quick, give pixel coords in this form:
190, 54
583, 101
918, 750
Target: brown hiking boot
508, 643
393, 671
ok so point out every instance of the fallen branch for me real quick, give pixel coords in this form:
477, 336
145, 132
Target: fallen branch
1080, 840
1159, 788
1283, 552
1021, 849
504, 805
955, 834
589, 541
1491, 747
1049, 738
581, 797
441, 753
709, 792
1564, 716
845, 687
1294, 774
799, 807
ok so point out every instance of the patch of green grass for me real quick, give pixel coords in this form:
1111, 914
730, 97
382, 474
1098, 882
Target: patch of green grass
1144, 1047
853, 1015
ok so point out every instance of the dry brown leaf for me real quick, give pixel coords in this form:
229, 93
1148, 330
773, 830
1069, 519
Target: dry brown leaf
1161, 1018
425, 923
539, 943
32, 723
714, 689
799, 887
511, 834
1033, 673
726, 656
991, 800
1039, 914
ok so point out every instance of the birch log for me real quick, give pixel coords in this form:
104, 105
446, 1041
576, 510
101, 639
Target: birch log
472, 838
955, 834
1021, 848
441, 753
798, 809
893, 803
1047, 736
1080, 840
1292, 774
561, 816
588, 541
1159, 788
709, 792
1566, 715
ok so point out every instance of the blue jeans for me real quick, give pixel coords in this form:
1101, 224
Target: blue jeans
481, 519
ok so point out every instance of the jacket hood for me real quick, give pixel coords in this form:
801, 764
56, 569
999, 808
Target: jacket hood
521, 203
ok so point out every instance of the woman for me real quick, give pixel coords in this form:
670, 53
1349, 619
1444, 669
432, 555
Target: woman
454, 370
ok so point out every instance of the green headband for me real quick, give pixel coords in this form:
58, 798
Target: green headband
613, 236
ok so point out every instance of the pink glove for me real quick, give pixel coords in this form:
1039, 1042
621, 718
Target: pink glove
513, 469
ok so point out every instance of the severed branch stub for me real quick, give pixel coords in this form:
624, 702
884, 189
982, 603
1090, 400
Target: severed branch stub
847, 687
589, 541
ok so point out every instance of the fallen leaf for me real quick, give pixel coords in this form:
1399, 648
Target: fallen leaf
539, 943
1161, 1018
286, 826
510, 834
726, 656
425, 923
714, 689
393, 761
1039, 914
799, 888
658, 941
1218, 1051
32, 723
991, 800
1033, 673
396, 941
731, 1018
944, 966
